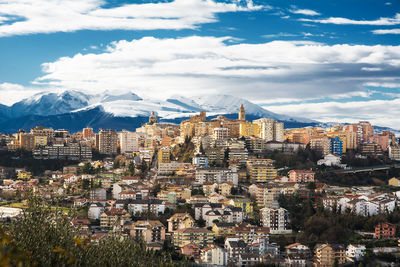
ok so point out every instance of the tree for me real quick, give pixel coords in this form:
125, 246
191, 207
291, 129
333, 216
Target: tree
131, 168
44, 237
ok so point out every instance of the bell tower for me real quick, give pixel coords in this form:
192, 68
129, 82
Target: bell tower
242, 113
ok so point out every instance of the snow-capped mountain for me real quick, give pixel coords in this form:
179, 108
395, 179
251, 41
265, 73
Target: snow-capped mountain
129, 108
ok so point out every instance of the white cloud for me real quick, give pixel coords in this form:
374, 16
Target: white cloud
195, 65
337, 20
11, 92
48, 16
378, 112
307, 12
390, 31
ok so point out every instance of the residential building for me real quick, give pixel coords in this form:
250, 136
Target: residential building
107, 141
220, 133
321, 143
114, 217
87, 133
164, 155
277, 220
385, 230
201, 237
129, 142
327, 254
270, 130
301, 176
250, 234
150, 231
180, 221
394, 152
336, 146
217, 175
355, 252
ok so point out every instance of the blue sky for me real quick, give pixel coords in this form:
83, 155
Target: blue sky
325, 60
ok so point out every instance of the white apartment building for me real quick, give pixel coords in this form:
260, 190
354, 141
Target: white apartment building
129, 142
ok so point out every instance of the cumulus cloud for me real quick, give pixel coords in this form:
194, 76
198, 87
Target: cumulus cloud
378, 112
19, 17
338, 20
195, 65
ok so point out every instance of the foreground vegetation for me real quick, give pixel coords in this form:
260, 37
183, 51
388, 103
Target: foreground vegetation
45, 237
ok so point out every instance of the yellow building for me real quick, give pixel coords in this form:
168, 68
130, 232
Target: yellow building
225, 188
24, 175
394, 182
201, 237
261, 173
249, 129
164, 155
326, 254
223, 229
40, 141
180, 221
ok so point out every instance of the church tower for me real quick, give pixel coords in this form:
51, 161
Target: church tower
242, 113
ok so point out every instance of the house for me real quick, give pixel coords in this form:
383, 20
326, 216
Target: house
355, 252
330, 160
180, 221
202, 237
385, 230
150, 231
301, 176
209, 188
394, 182
248, 259
295, 260
298, 249
225, 188
137, 206
192, 251
327, 254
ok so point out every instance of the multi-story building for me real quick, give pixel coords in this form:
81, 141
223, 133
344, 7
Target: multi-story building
371, 149
247, 129
301, 176
201, 237
277, 220
26, 141
180, 221
249, 234
267, 195
261, 170
150, 231
69, 152
327, 254
107, 142
321, 143
129, 142
355, 252
40, 141
336, 146
220, 133
385, 230
270, 130
113, 217
367, 130
394, 152
87, 133
43, 131
164, 155
217, 175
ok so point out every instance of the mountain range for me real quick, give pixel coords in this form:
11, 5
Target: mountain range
75, 110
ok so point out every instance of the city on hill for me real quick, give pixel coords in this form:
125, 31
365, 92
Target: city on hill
219, 192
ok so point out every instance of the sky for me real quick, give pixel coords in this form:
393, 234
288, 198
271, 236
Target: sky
331, 61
